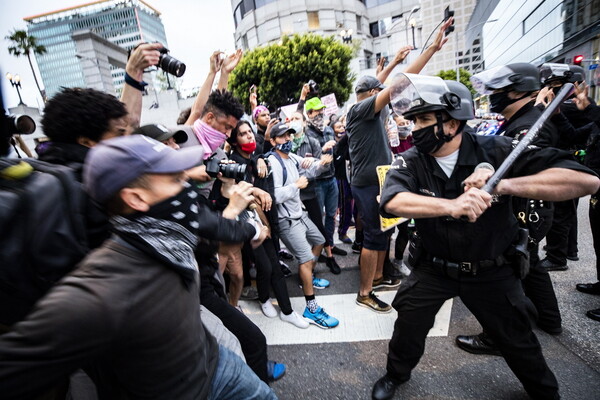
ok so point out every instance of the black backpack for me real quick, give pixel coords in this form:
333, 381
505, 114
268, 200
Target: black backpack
42, 232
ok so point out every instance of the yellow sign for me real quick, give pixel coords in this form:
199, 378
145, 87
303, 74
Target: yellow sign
386, 223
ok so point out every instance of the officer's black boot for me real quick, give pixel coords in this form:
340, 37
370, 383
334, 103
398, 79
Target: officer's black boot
384, 388
477, 344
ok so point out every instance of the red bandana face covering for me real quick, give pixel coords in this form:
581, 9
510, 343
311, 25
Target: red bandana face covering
248, 147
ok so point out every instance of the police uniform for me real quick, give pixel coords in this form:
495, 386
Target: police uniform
537, 284
468, 260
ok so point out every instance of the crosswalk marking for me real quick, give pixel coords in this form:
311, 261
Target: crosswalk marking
357, 323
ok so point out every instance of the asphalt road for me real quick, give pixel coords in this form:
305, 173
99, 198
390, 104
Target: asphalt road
347, 369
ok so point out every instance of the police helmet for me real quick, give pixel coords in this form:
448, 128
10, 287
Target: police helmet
577, 74
413, 94
563, 73
521, 77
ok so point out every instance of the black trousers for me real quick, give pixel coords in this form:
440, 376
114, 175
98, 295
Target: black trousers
538, 287
268, 275
495, 297
315, 214
557, 239
594, 214
252, 340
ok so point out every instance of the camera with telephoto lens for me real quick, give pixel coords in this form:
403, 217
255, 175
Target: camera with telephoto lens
229, 170
314, 88
170, 64
19, 124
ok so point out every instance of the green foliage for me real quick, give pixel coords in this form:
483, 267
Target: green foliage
450, 75
23, 44
280, 71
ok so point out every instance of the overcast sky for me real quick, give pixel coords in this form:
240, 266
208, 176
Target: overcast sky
194, 29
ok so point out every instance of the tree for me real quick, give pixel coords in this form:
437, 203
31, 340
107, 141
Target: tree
280, 70
23, 44
450, 75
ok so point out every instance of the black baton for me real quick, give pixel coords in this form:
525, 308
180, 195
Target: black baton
491, 184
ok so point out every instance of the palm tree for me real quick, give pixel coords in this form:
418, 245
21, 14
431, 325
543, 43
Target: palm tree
22, 43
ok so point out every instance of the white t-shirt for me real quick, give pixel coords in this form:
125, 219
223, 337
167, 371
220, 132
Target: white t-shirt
448, 162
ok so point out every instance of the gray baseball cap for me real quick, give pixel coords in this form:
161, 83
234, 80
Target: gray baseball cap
281, 129
366, 83
161, 133
114, 163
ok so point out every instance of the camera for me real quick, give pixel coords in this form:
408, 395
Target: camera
228, 170
170, 64
314, 88
276, 114
20, 124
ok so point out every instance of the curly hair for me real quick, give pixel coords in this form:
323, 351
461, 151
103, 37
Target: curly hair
223, 103
76, 112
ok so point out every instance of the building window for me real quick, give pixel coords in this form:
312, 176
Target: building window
358, 24
374, 29
245, 42
313, 20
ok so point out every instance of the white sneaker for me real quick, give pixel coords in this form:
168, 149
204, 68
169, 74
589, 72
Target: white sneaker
294, 319
268, 309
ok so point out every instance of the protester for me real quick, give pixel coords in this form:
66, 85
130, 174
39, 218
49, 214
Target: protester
296, 230
138, 277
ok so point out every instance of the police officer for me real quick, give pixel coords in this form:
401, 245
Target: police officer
436, 183
561, 240
511, 89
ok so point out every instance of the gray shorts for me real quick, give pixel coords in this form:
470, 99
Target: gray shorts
299, 236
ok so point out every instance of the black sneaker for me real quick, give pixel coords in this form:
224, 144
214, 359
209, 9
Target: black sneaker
322, 258
285, 270
333, 266
572, 257
372, 302
386, 282
356, 247
551, 266
285, 255
339, 252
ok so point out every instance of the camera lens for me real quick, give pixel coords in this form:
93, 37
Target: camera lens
233, 171
171, 65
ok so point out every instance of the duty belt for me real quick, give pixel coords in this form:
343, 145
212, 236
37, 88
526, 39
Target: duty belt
456, 269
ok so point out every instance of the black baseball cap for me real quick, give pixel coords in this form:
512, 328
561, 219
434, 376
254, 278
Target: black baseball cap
161, 133
366, 83
281, 129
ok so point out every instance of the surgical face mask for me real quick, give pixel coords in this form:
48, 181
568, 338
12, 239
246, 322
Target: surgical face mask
297, 126
404, 131
285, 147
499, 101
427, 140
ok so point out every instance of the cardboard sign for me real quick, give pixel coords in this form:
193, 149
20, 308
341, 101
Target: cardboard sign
386, 223
331, 104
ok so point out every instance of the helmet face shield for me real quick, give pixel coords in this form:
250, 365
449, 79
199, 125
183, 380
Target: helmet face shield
414, 94
489, 80
554, 72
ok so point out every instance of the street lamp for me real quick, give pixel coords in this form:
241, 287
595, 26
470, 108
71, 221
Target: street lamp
346, 35
412, 23
15, 81
412, 26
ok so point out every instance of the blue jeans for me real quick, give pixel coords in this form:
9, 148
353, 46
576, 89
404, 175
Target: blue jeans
327, 194
234, 380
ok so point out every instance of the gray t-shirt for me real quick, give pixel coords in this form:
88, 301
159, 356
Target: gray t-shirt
367, 142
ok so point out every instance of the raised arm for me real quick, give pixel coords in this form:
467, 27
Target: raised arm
440, 39
400, 56
202, 97
229, 64
141, 57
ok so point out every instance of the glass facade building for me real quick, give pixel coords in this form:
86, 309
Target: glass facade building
122, 22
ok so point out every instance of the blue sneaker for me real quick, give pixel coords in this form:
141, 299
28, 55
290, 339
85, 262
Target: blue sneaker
320, 318
319, 283
275, 370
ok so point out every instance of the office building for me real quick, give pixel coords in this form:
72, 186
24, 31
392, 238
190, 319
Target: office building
124, 23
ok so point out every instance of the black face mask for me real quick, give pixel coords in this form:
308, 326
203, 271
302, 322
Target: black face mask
427, 140
499, 101
181, 209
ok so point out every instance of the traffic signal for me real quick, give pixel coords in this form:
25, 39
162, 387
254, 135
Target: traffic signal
448, 13
577, 59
